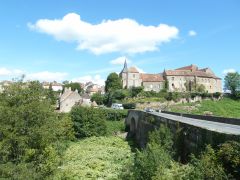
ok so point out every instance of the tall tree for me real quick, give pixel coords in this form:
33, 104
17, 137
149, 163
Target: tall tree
29, 128
113, 82
232, 82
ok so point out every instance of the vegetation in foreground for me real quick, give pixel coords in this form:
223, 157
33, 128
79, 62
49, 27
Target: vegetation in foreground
33, 140
225, 107
96, 158
159, 161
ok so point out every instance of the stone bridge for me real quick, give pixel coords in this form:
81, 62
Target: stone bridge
192, 134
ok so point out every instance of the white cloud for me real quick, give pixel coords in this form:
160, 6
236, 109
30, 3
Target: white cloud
192, 33
231, 70
47, 76
122, 35
10, 72
120, 61
97, 79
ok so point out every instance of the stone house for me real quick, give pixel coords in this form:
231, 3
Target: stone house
68, 99
55, 85
180, 80
189, 76
131, 77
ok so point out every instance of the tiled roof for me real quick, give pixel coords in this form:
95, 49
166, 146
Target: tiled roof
133, 70
191, 70
152, 77
192, 67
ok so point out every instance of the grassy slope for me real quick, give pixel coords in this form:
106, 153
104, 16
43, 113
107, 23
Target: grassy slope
225, 107
95, 158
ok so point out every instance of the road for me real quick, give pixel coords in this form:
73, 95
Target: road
209, 125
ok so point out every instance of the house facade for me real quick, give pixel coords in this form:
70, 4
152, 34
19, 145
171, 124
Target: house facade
180, 80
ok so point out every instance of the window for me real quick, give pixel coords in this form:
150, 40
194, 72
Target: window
133, 75
172, 78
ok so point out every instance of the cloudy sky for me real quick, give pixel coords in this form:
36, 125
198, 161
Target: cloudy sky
86, 40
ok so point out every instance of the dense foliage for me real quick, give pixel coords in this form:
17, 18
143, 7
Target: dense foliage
74, 86
98, 98
30, 132
232, 82
113, 82
96, 158
88, 122
157, 161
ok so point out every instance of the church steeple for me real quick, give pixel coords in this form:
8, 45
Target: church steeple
125, 69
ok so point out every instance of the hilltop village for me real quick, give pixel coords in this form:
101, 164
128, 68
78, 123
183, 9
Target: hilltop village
183, 79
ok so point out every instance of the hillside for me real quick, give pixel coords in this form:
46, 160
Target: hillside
226, 108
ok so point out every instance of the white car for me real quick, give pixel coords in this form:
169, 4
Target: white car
117, 106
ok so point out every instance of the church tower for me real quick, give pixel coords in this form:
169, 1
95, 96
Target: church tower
124, 75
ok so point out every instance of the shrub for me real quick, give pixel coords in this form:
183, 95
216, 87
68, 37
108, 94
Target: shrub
136, 90
98, 98
114, 114
172, 96
207, 166
157, 153
96, 158
88, 122
114, 127
229, 155
217, 95
129, 106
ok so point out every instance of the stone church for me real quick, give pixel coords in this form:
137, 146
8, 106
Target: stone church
178, 79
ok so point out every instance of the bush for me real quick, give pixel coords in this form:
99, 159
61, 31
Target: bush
114, 114
172, 96
136, 90
129, 106
229, 155
29, 132
88, 122
207, 166
98, 98
217, 95
157, 153
114, 127
96, 158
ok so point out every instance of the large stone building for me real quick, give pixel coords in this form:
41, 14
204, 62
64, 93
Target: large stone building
181, 79
132, 78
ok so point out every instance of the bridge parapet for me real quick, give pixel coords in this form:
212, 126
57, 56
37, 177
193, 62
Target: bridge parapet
194, 134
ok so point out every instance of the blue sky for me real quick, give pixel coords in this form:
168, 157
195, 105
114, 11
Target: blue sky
79, 40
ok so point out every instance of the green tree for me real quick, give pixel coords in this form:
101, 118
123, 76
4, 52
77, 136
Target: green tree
158, 154
136, 90
74, 86
120, 94
27, 136
51, 95
232, 82
113, 82
207, 166
229, 155
88, 122
98, 98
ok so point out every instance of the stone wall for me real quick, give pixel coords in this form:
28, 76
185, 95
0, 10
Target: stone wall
153, 86
233, 121
187, 138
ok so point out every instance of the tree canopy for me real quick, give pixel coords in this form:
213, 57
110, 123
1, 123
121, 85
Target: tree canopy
113, 82
232, 82
74, 86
